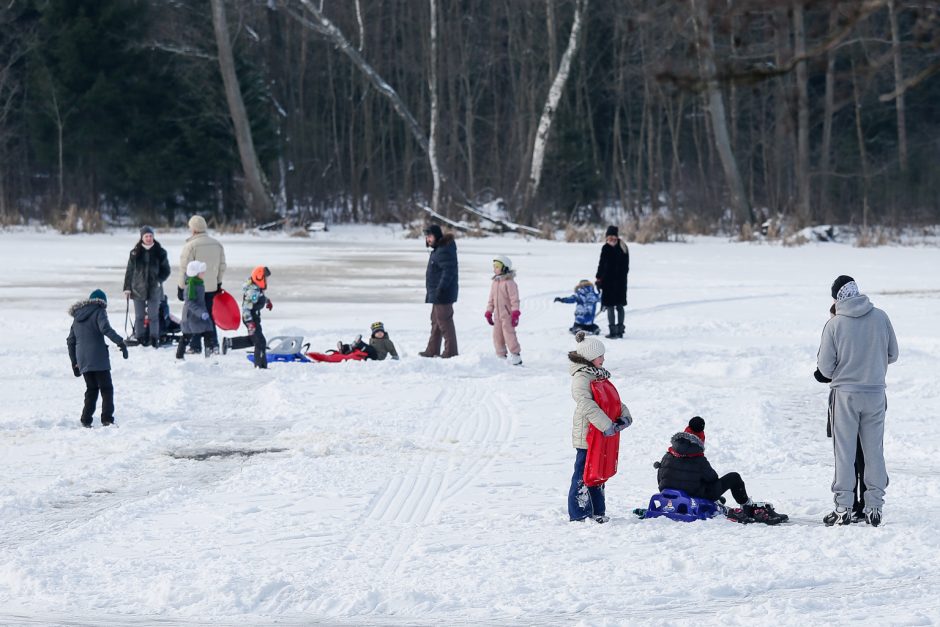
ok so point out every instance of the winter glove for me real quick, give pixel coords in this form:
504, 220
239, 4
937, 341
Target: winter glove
179, 293
123, 348
204, 316
76, 371
597, 283
251, 327
623, 422
127, 293
557, 299
489, 317
269, 305
611, 430
821, 377
515, 317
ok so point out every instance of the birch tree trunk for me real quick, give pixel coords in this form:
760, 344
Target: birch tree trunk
898, 85
860, 137
551, 103
825, 156
435, 114
716, 108
257, 196
802, 133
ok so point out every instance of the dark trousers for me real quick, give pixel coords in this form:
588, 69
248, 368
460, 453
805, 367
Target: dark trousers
618, 310
732, 481
859, 501
95, 382
442, 328
257, 340
197, 340
582, 500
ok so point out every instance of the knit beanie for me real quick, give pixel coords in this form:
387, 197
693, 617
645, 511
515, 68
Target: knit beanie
146, 229
197, 224
376, 327
99, 294
697, 428
839, 283
612, 230
590, 348
194, 267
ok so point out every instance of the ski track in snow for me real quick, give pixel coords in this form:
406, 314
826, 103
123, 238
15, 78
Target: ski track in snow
430, 492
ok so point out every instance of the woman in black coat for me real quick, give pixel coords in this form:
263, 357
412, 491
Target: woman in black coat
611, 279
147, 269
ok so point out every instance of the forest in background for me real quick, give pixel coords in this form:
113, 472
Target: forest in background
708, 115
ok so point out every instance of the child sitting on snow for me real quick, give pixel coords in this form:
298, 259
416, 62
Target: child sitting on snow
587, 298
381, 342
684, 467
502, 310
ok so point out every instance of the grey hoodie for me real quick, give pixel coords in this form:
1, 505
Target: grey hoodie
86, 344
857, 345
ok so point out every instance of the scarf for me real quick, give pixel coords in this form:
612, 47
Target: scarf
194, 282
597, 372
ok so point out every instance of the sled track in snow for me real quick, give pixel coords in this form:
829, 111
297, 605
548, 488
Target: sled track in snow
475, 428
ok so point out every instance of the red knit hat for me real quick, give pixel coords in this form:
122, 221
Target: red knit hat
697, 428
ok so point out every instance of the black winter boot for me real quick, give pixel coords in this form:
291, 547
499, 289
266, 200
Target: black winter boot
180, 349
613, 332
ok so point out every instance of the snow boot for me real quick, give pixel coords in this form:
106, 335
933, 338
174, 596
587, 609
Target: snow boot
839, 516
515, 359
180, 350
613, 332
764, 513
601, 519
873, 516
226, 345
739, 515
620, 331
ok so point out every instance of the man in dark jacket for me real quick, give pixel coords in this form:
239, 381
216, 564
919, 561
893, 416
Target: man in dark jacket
611, 278
441, 291
89, 354
147, 269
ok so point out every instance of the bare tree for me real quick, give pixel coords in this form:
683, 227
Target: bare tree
802, 116
257, 196
551, 103
716, 109
435, 113
898, 82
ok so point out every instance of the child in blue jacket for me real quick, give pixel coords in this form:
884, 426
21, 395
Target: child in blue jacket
587, 298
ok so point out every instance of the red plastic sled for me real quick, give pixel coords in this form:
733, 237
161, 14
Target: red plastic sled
356, 355
225, 312
603, 452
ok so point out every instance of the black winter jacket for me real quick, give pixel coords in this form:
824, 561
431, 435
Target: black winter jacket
441, 276
612, 270
682, 471
86, 344
146, 269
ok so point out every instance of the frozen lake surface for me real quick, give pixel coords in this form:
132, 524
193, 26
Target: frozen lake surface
433, 492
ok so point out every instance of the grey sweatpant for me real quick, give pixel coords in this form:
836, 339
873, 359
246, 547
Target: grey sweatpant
151, 308
859, 417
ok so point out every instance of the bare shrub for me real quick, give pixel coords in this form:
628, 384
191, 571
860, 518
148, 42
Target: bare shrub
230, 228
9, 219
747, 233
654, 228
580, 234
91, 221
68, 223
299, 233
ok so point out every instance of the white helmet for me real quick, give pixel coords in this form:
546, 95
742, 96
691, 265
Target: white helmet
503, 259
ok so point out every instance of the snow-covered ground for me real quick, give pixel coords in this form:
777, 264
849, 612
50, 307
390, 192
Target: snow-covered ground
433, 491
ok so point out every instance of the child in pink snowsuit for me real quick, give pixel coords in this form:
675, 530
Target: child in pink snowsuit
502, 310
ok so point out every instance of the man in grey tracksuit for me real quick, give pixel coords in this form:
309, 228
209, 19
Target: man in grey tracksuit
857, 345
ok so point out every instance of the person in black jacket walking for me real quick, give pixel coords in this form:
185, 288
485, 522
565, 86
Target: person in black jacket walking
441, 292
685, 467
147, 269
89, 354
611, 279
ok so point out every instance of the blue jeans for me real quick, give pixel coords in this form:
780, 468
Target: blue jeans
582, 500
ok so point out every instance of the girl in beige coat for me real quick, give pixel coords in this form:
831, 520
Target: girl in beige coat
502, 310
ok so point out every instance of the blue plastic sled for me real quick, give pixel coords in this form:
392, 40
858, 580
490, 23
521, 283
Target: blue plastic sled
678, 505
285, 349
272, 357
